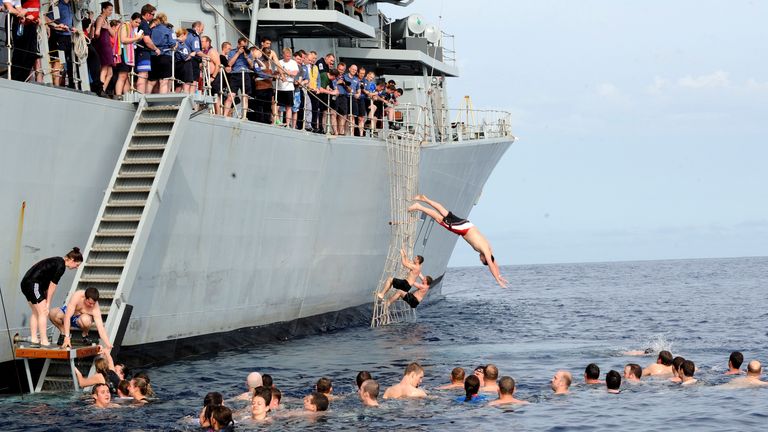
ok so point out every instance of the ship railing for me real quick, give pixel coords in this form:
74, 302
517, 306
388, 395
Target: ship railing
347, 7
448, 42
453, 125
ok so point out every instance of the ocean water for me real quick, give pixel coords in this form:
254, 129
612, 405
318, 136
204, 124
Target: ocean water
552, 317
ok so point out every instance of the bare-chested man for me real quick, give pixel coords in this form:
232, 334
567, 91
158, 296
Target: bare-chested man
409, 385
506, 390
633, 372
464, 228
734, 363
754, 370
490, 376
561, 381
457, 379
369, 392
412, 298
663, 365
414, 271
81, 311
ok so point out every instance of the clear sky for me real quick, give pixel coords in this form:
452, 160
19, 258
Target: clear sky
643, 125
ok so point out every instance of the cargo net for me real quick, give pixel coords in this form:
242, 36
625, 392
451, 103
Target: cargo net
403, 149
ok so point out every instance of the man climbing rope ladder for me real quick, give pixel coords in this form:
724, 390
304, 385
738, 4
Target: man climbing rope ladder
404, 285
464, 228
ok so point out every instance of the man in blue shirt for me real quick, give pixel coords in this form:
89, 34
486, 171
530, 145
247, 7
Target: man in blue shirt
353, 82
195, 48
240, 79
61, 40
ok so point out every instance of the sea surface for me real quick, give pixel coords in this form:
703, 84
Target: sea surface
552, 317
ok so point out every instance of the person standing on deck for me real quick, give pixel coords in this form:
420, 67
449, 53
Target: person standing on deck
465, 229
39, 284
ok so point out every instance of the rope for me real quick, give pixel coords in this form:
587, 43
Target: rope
404, 149
80, 46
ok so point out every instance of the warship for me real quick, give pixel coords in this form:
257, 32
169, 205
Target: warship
204, 232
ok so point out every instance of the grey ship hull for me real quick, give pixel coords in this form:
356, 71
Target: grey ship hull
258, 225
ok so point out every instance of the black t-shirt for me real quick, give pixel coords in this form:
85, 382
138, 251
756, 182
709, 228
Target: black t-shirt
46, 271
144, 26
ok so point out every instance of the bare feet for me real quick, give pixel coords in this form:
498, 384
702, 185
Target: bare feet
380, 295
45, 344
420, 197
414, 207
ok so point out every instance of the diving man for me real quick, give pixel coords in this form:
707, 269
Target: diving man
464, 228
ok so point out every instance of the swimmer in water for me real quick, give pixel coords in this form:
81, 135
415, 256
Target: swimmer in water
262, 397
490, 375
277, 396
506, 391
688, 368
221, 419
361, 377
479, 372
457, 379
647, 351
561, 382
102, 398
316, 402
754, 371
414, 271
325, 386
633, 372
613, 382
677, 373
252, 381
210, 400
369, 393
662, 367
409, 385
465, 229
592, 374
734, 363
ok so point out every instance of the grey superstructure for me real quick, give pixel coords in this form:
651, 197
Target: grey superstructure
257, 224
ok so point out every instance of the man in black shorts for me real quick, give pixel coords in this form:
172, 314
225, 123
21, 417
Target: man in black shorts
412, 298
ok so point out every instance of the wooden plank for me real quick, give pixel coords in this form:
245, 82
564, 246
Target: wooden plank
56, 352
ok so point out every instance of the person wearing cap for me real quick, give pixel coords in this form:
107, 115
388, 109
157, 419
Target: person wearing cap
252, 381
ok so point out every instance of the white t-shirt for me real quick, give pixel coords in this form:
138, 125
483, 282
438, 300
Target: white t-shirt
289, 66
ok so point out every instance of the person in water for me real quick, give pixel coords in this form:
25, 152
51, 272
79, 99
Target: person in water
38, 286
471, 390
613, 382
316, 402
369, 393
81, 311
414, 271
592, 374
490, 376
633, 372
506, 391
754, 370
734, 363
561, 382
409, 385
325, 386
211, 400
688, 368
102, 398
262, 397
663, 365
362, 377
465, 229
457, 379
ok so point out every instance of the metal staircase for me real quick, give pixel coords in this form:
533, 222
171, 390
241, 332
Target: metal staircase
119, 236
